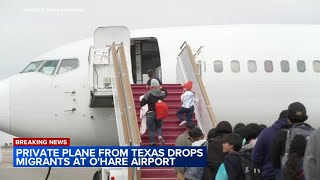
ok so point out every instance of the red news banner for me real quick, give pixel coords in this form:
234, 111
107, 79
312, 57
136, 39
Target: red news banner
41, 141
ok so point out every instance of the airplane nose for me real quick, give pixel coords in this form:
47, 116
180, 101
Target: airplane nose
5, 105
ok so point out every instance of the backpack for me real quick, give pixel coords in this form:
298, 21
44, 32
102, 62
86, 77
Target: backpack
215, 152
162, 110
249, 169
215, 156
297, 129
195, 173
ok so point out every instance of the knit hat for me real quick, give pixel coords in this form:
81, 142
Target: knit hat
188, 85
297, 112
195, 133
154, 83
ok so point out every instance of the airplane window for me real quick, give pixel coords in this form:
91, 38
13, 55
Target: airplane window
32, 67
252, 66
285, 67
235, 66
301, 65
67, 65
218, 66
268, 66
316, 66
49, 67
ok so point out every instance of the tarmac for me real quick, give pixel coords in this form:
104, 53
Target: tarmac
7, 172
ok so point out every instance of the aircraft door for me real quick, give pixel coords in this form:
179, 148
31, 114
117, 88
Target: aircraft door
145, 56
104, 36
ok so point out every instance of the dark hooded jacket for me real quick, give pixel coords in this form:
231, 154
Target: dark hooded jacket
152, 97
215, 154
261, 154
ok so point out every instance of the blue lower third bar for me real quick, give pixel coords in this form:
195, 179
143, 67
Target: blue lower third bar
109, 156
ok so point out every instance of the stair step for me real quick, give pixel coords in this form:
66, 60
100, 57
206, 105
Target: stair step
172, 107
174, 129
168, 143
168, 99
171, 117
171, 113
145, 137
177, 131
177, 91
170, 103
170, 93
170, 120
171, 124
157, 172
163, 85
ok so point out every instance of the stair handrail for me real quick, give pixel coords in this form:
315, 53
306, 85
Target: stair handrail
117, 77
201, 112
122, 105
129, 96
129, 104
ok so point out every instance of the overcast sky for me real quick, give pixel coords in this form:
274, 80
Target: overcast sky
29, 28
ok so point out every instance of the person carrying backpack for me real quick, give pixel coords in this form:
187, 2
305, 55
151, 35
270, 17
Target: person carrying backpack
261, 151
215, 153
188, 100
195, 173
183, 140
280, 146
237, 165
233, 170
152, 98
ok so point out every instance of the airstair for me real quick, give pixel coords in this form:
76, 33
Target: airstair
186, 69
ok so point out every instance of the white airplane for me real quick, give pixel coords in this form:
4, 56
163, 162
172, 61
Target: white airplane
251, 73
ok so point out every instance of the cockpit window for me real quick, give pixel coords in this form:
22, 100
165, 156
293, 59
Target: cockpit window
67, 65
49, 67
32, 67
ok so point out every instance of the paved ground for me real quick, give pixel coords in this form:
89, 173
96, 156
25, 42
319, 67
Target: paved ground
9, 173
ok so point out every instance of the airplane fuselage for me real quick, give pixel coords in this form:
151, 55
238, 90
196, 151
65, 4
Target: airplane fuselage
282, 69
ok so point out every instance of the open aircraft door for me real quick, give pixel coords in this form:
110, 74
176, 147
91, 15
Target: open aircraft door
101, 65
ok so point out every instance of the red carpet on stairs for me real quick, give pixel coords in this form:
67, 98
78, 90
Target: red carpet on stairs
170, 128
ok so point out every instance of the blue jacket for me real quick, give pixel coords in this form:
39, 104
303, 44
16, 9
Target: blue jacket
261, 150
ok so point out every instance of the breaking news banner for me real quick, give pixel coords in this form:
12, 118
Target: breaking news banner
45, 152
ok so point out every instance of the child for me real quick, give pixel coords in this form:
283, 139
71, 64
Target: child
232, 145
187, 99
